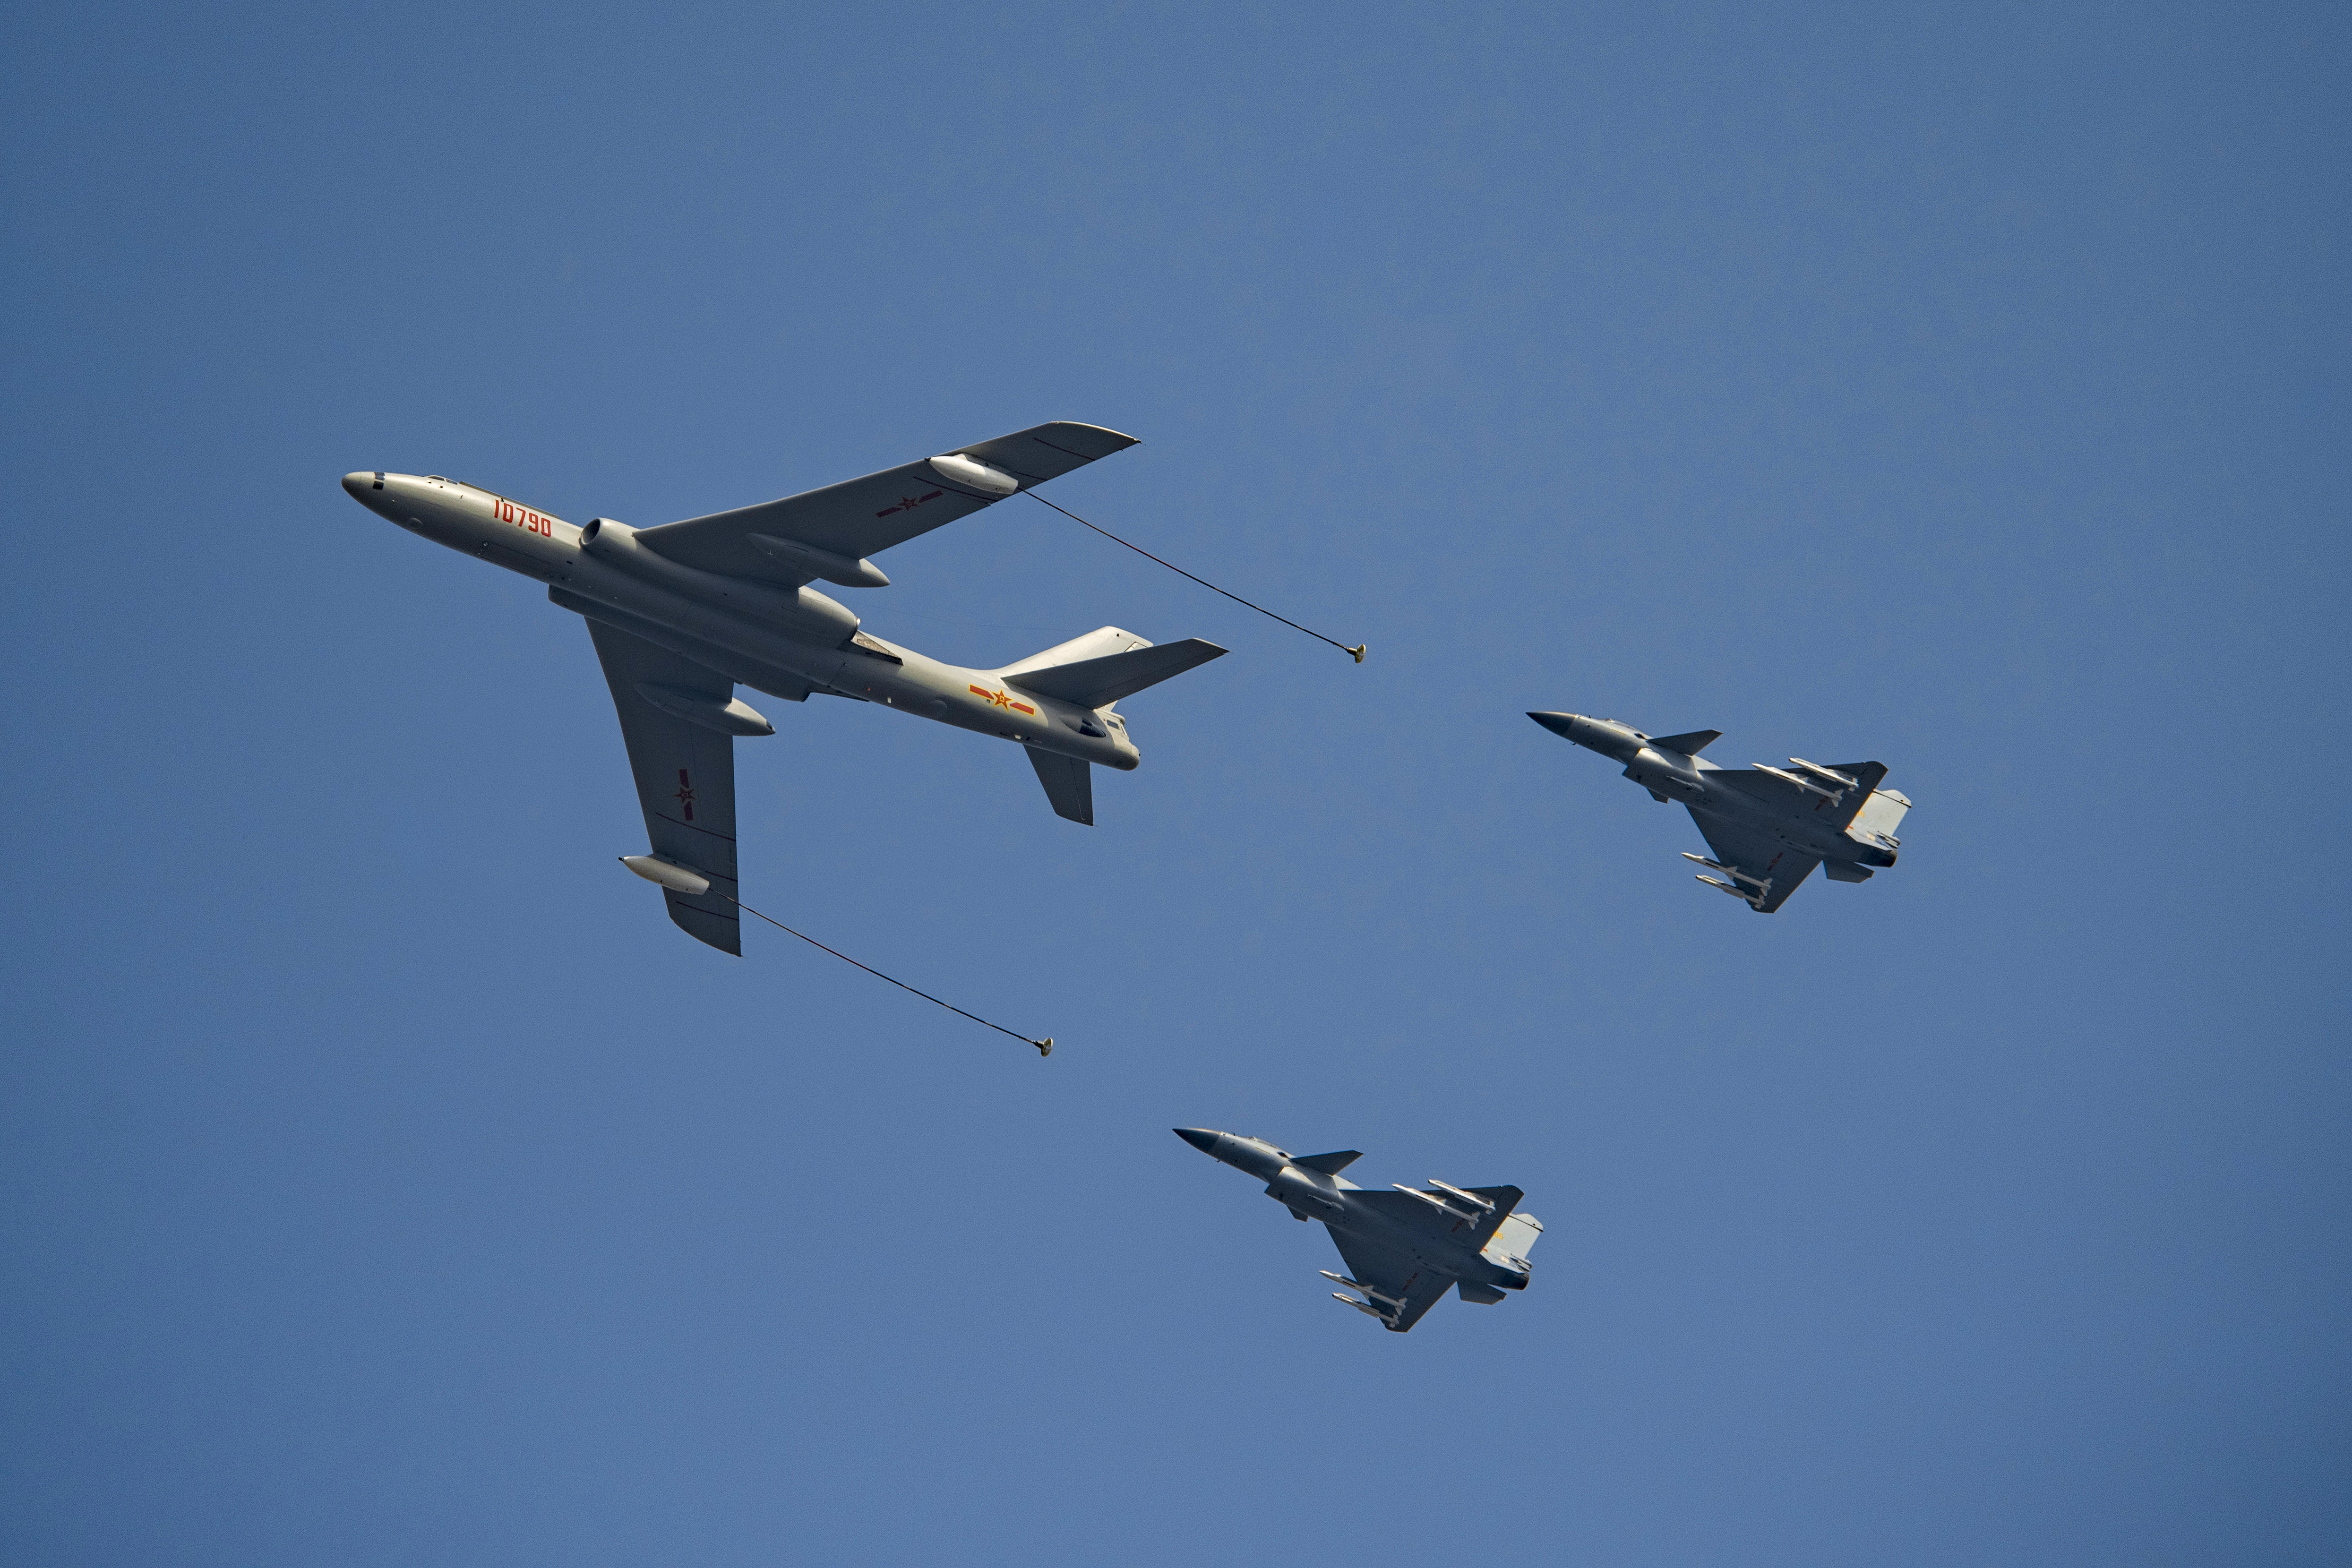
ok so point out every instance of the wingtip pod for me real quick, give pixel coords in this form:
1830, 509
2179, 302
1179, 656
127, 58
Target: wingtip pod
989, 481
676, 878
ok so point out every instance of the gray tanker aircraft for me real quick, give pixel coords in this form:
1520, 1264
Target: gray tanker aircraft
683, 614
1404, 1248
1768, 827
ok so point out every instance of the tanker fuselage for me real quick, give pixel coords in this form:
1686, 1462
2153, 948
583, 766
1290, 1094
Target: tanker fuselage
770, 636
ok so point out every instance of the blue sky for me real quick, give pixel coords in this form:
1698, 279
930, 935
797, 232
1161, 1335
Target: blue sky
1964, 388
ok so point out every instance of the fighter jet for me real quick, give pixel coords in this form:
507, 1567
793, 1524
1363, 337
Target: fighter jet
1403, 1248
1768, 827
683, 614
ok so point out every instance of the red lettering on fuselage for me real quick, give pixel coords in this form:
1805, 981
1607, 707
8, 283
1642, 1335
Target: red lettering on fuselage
523, 518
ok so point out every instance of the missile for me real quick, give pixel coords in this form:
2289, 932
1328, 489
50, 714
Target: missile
1818, 771
1469, 1198
1433, 1201
1358, 1285
676, 878
1366, 1308
1738, 893
1732, 871
1832, 796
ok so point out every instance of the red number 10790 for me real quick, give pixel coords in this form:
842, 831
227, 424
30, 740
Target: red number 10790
525, 519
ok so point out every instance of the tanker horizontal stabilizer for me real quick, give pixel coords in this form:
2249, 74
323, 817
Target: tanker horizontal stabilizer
1099, 683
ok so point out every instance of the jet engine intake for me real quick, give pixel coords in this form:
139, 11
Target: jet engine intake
1293, 1188
1665, 773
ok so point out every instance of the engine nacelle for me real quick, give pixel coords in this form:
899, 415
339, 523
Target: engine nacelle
1665, 773
812, 614
733, 718
804, 613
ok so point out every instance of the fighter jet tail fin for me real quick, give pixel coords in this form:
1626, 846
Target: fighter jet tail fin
1514, 1238
1689, 744
1882, 812
1331, 1164
1866, 776
1506, 1199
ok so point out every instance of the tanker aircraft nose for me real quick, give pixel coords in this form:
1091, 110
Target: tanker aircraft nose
359, 485
1200, 1138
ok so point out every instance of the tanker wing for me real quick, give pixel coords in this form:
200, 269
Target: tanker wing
684, 773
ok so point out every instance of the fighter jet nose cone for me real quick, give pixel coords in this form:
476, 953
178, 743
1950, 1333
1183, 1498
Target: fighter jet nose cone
1561, 723
1199, 1138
